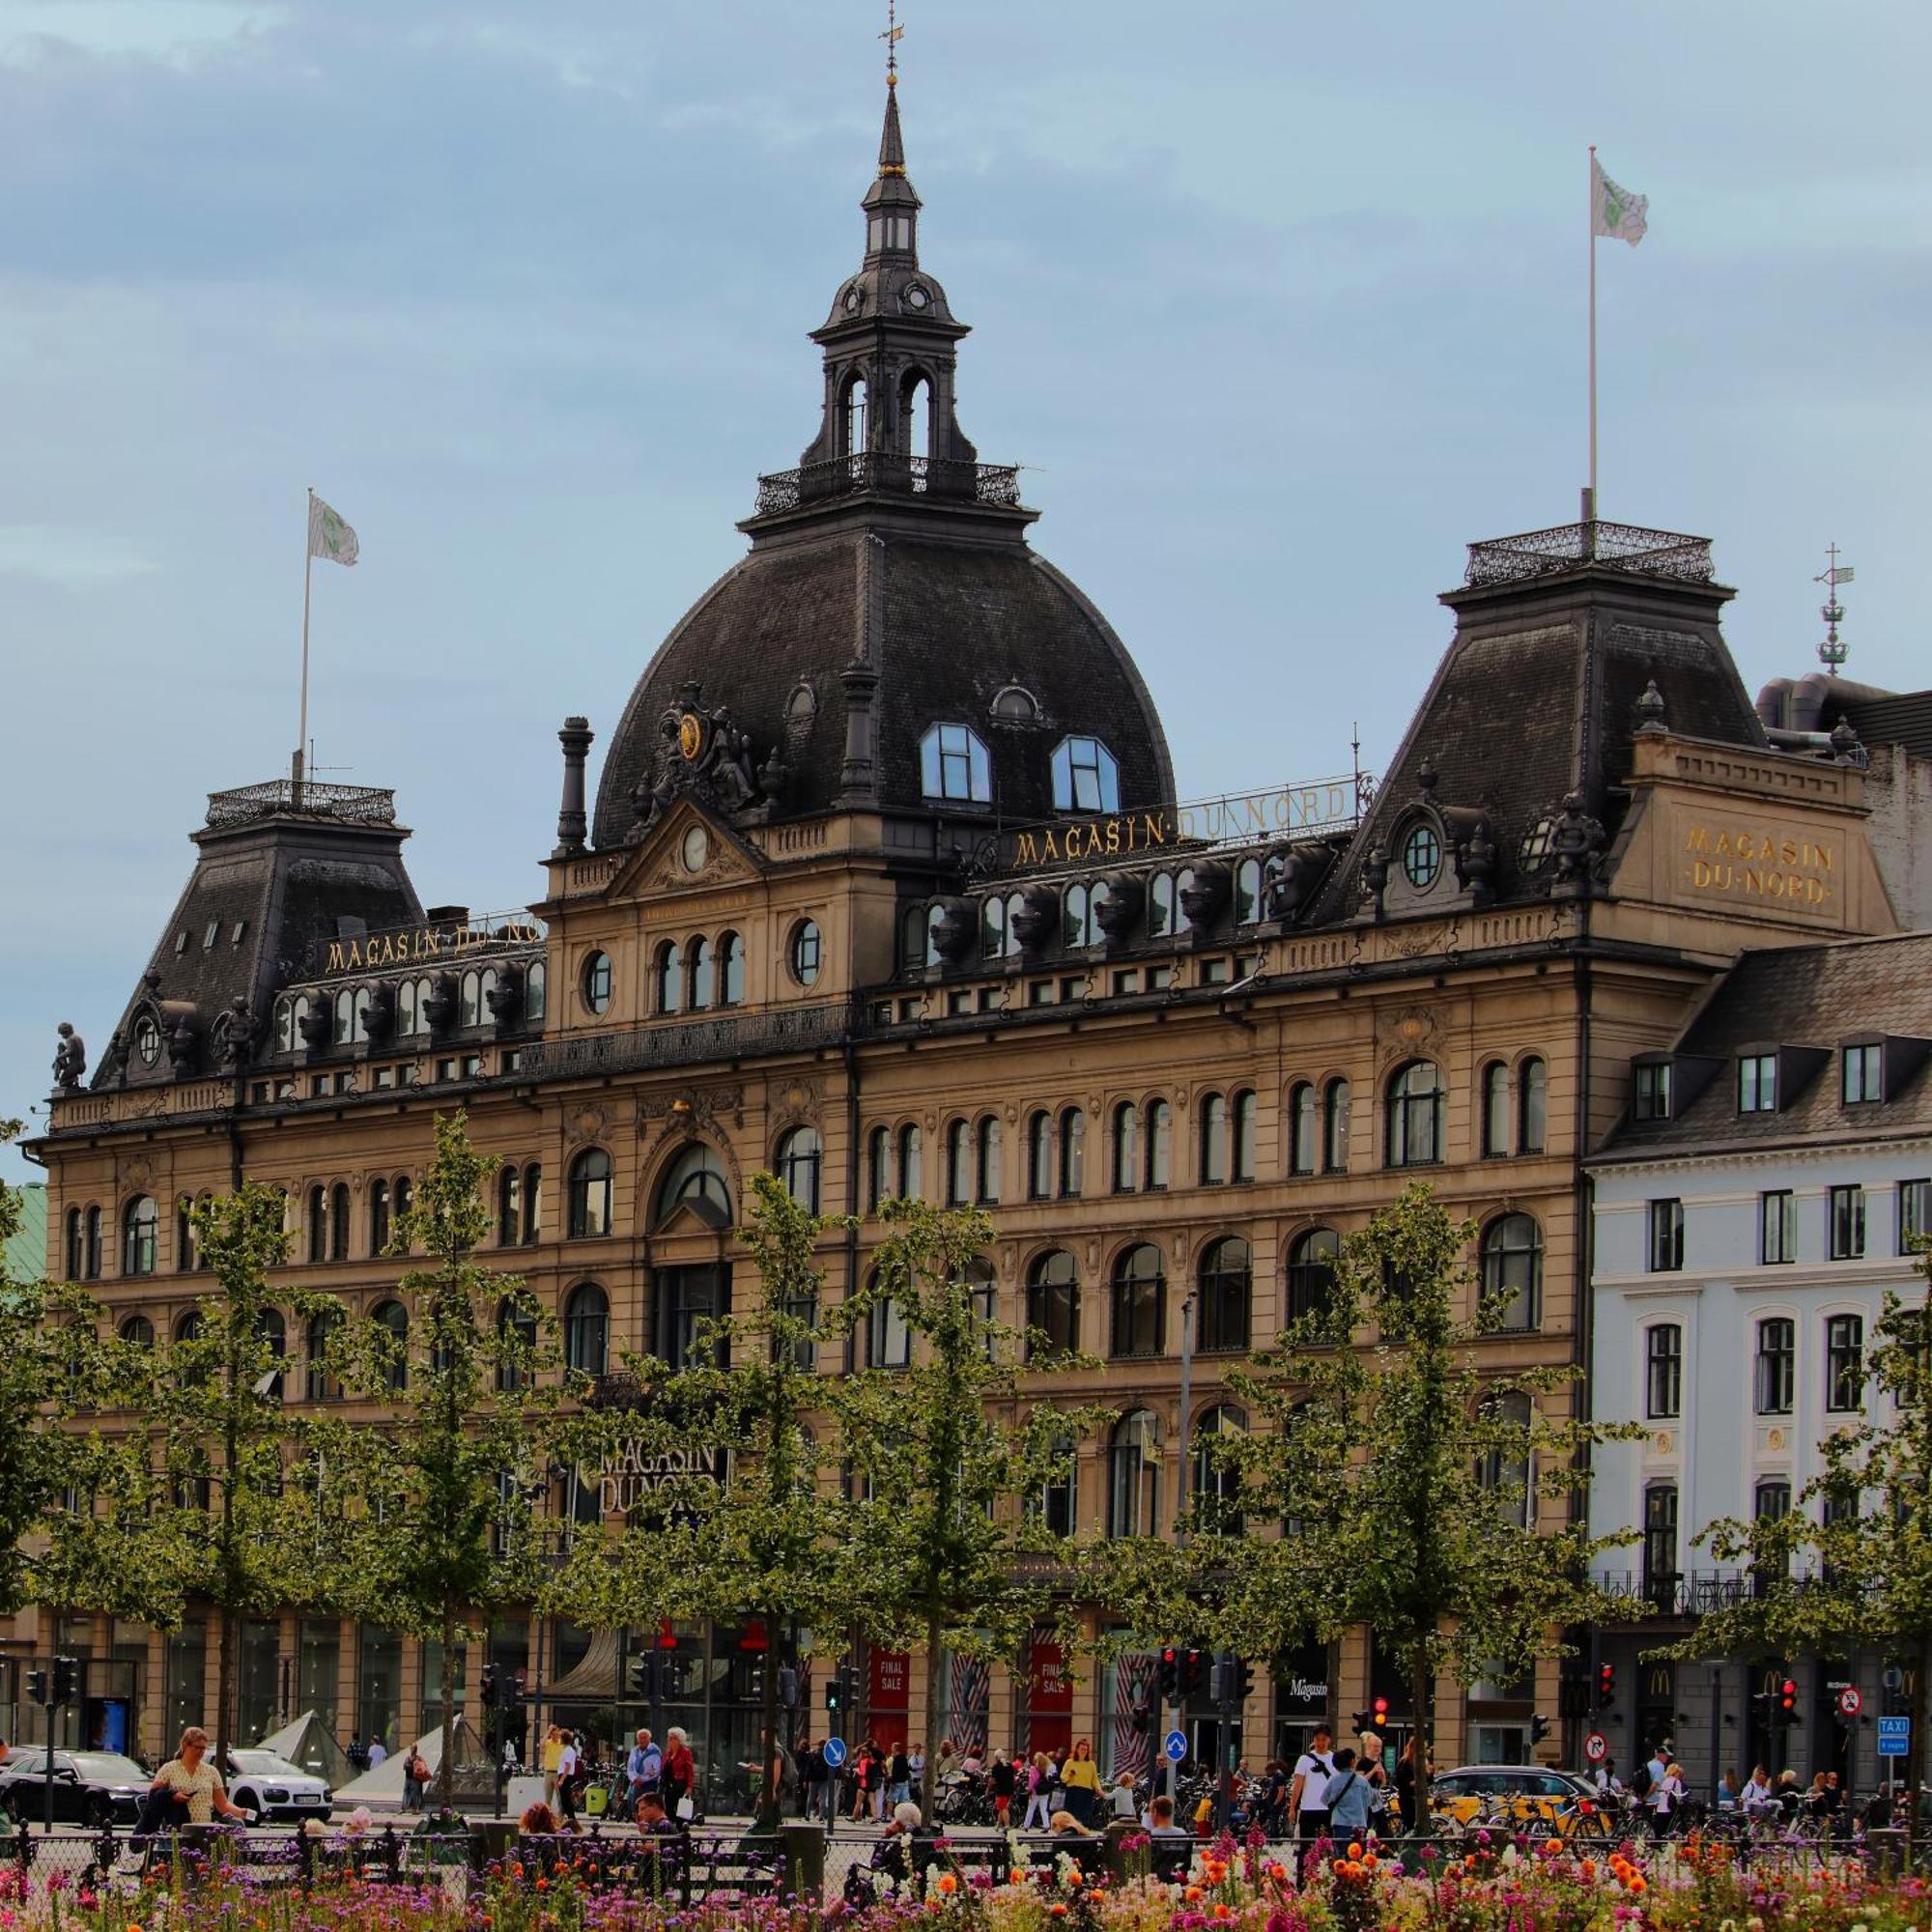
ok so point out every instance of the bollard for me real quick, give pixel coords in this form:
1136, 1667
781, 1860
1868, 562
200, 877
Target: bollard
803, 1847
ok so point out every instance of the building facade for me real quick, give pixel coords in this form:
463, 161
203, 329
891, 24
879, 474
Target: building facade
886, 886
1771, 1185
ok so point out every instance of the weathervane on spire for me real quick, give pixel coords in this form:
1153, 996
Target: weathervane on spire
1831, 652
892, 36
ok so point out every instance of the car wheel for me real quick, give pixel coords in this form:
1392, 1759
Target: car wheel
99, 1812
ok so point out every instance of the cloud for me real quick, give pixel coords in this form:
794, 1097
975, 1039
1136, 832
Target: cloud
67, 555
176, 33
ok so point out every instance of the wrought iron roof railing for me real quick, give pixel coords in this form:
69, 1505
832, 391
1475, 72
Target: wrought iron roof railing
880, 471
346, 805
687, 1043
1608, 546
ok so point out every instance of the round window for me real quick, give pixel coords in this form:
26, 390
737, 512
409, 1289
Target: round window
804, 952
1422, 857
147, 1039
695, 850
597, 982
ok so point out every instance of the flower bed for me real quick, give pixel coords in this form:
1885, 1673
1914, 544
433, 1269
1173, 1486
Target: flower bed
1485, 1885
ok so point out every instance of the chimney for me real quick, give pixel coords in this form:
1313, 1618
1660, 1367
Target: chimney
571, 825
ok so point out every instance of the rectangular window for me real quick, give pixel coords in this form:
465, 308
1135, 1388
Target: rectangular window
1664, 1370
1651, 1099
1757, 1082
1128, 981
1660, 1543
1216, 972
1861, 1074
1666, 1236
1040, 993
386, 1078
1914, 1215
958, 1001
1776, 1365
1776, 1227
1847, 1223
1844, 1363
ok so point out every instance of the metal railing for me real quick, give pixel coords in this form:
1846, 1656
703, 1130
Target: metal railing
348, 805
1612, 546
882, 471
1680, 1593
686, 1043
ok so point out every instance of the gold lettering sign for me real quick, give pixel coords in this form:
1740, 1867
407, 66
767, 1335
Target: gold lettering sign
1744, 861
414, 945
1285, 812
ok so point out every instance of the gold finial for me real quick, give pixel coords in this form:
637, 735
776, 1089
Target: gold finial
893, 34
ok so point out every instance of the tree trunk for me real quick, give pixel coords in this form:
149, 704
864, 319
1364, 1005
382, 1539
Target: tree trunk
1421, 1693
446, 1771
766, 1816
224, 1683
935, 1706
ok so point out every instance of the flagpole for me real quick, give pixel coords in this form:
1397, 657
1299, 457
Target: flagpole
1590, 236
308, 571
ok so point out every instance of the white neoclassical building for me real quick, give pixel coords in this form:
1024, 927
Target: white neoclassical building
1766, 1186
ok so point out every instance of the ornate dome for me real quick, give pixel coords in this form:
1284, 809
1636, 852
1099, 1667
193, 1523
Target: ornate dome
891, 643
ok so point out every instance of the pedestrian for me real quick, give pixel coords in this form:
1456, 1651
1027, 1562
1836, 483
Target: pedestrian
1346, 1797
898, 1778
413, 1770
379, 1752
1040, 1789
810, 1775
643, 1768
916, 1762
1080, 1778
946, 1763
191, 1781
1666, 1795
680, 1777
1757, 1800
1373, 1774
1308, 1794
1003, 1779
357, 1753
568, 1759
552, 1753
1124, 1806
1412, 1787
864, 1762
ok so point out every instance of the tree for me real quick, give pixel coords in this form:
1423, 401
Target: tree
1405, 1474
1849, 1565
446, 1527
747, 1531
944, 1456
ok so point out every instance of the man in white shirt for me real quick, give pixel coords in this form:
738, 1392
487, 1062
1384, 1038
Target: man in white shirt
378, 1751
1307, 1796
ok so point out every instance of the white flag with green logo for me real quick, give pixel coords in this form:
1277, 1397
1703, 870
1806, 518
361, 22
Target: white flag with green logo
329, 536
1616, 211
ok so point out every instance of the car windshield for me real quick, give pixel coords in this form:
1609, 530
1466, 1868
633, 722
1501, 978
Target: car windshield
266, 1762
108, 1768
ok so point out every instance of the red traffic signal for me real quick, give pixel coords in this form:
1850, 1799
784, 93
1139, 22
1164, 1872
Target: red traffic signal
1787, 1698
1607, 1683
1380, 1713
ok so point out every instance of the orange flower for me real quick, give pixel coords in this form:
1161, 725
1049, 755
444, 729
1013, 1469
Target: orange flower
1354, 1851
1192, 1892
947, 1883
1056, 1911
1589, 1871
1370, 1860
1639, 1885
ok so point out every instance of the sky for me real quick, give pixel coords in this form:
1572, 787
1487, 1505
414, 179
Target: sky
1280, 305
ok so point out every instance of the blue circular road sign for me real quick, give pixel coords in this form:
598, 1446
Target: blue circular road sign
1174, 1746
835, 1752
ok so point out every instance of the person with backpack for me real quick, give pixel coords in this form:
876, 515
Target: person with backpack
1307, 1795
1346, 1797
1667, 1798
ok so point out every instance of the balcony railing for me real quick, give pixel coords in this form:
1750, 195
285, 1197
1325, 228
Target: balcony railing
346, 805
900, 475
1680, 1593
689, 1043
1608, 546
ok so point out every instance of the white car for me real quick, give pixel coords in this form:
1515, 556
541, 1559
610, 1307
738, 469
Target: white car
276, 1790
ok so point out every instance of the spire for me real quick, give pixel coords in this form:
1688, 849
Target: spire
891, 147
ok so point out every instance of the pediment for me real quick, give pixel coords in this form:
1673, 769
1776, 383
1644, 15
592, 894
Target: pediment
694, 1214
689, 850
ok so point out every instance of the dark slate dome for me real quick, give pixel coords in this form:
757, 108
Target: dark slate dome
889, 590
989, 636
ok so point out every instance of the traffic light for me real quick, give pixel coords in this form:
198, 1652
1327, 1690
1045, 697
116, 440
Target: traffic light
835, 1693
787, 1686
66, 1679
1221, 1680
37, 1685
1379, 1716
642, 1672
1539, 1729
1191, 1662
1787, 1701
1244, 1679
490, 1686
1170, 1675
1606, 1686
1142, 1720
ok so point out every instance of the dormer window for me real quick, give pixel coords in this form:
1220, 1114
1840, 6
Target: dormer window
147, 1039
1086, 777
1757, 1082
953, 764
1422, 857
1651, 1094
1861, 1076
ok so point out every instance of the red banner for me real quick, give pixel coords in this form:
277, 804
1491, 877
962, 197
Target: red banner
888, 1685
1049, 1699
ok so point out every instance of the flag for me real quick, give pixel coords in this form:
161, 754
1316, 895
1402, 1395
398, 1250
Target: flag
329, 536
1616, 211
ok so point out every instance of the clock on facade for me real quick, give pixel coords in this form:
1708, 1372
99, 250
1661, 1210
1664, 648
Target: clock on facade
691, 735
696, 848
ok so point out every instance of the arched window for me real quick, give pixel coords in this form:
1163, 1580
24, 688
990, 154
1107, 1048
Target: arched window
1248, 891
599, 983
984, 1286
469, 1000
1213, 1154
1040, 1154
392, 1318
486, 990
405, 1013
993, 929
1532, 1106
1241, 1137
804, 953
509, 1208
1506, 1469
730, 970
403, 1197
1303, 1127
1072, 1152
140, 1236
532, 1202
1081, 927
323, 1326
879, 1168
76, 1254
1133, 1476
1496, 1110
1086, 778
343, 1019
1512, 1266
919, 945
379, 1218
138, 1332
1226, 1293
1162, 905
1160, 1143
1215, 1478
987, 1160
887, 1338
1311, 1272
911, 1178
1139, 1302
953, 764
590, 1194
1335, 1127
318, 1224
669, 977
338, 1222
1053, 1304
1415, 1132
587, 1329
515, 1344
959, 1164
272, 1330
852, 417
916, 423
696, 1175
704, 974
186, 1257
285, 1026
1126, 1147
800, 1158
1057, 1506
188, 1325
91, 1246
536, 991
